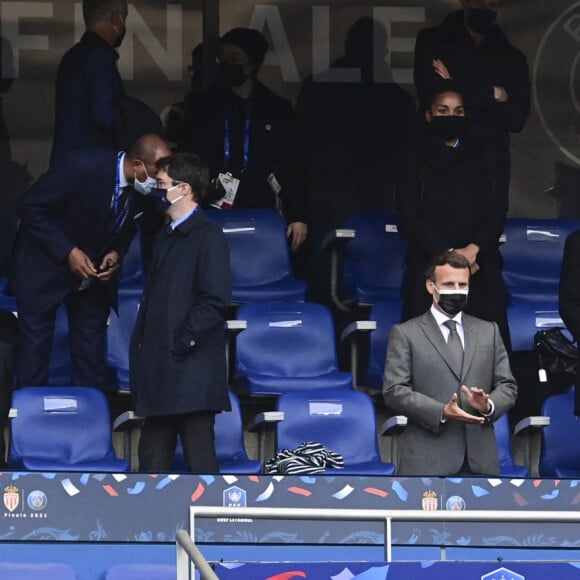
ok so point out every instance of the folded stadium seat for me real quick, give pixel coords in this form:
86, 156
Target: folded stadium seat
532, 252
286, 347
383, 315
141, 572
259, 256
230, 447
46, 571
62, 429
342, 420
560, 454
367, 259
119, 332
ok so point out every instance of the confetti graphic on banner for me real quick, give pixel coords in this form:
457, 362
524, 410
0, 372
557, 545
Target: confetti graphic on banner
267, 493
478, 491
494, 482
137, 488
110, 490
299, 491
68, 486
166, 481
517, 482
400, 491
200, 490
344, 492
376, 491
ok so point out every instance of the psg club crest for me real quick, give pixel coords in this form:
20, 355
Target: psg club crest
429, 501
11, 498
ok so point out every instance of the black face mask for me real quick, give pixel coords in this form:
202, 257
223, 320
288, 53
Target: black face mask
232, 74
452, 303
448, 127
481, 20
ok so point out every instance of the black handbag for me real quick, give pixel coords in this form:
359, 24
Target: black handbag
557, 357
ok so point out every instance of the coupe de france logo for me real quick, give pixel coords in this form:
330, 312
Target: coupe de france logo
503, 574
234, 497
557, 82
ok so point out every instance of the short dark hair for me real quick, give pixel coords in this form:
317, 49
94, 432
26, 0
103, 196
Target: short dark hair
97, 10
448, 257
187, 168
440, 87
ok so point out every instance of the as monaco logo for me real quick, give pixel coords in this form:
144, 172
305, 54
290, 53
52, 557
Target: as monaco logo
11, 498
429, 501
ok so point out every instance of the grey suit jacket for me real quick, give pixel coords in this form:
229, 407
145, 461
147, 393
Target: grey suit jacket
420, 378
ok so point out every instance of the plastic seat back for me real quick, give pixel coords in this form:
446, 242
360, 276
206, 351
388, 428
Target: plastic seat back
287, 347
507, 465
532, 254
259, 255
341, 420
374, 259
62, 429
560, 455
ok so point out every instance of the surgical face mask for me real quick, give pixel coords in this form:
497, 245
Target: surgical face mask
481, 20
144, 187
451, 301
448, 127
162, 204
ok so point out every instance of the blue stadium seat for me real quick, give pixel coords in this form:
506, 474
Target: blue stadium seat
141, 572
560, 454
342, 420
383, 315
372, 259
532, 254
259, 256
507, 465
45, 571
229, 441
286, 347
119, 332
526, 318
62, 429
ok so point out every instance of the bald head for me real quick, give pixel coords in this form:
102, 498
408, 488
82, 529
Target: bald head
143, 156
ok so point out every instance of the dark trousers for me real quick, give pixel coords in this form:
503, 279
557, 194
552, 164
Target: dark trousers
159, 438
87, 312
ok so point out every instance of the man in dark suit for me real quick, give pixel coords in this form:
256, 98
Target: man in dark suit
431, 360
88, 86
76, 222
178, 357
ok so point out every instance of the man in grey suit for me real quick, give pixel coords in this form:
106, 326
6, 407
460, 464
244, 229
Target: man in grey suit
449, 374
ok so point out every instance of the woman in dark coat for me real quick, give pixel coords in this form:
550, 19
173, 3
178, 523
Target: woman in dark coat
450, 202
178, 357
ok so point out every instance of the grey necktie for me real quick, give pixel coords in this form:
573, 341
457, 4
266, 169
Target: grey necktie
454, 343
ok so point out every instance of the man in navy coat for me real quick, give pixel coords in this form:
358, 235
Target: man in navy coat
178, 355
88, 86
76, 222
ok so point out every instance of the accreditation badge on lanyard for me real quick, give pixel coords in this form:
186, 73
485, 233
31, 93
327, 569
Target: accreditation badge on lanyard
230, 183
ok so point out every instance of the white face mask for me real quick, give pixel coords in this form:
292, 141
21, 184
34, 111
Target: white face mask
144, 187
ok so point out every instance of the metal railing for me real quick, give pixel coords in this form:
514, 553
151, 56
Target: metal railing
386, 516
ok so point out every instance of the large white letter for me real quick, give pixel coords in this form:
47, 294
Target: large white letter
280, 55
10, 15
387, 15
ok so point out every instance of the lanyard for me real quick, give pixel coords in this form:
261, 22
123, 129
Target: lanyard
228, 142
117, 192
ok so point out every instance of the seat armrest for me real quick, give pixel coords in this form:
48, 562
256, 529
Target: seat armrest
234, 327
531, 424
126, 421
263, 423
394, 425
264, 420
337, 238
357, 327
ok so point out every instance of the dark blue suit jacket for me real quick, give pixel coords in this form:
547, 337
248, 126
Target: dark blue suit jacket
88, 92
68, 206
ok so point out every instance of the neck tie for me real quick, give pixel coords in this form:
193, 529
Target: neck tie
454, 343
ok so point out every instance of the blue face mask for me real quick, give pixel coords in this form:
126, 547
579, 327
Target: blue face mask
162, 204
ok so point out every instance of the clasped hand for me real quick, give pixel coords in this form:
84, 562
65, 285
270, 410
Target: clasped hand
477, 398
81, 265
